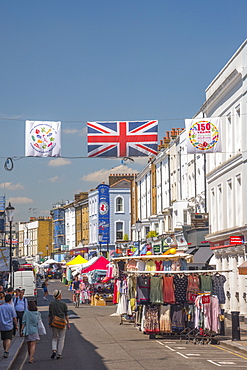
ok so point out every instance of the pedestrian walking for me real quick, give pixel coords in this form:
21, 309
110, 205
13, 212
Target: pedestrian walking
29, 328
20, 304
7, 317
58, 320
45, 288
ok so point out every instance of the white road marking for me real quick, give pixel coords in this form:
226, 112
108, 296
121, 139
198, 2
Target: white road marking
181, 354
180, 347
193, 354
171, 349
227, 363
160, 342
214, 363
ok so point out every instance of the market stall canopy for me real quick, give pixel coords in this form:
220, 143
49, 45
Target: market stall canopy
97, 263
78, 260
242, 269
48, 262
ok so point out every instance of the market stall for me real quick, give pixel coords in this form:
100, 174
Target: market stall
96, 270
166, 298
73, 267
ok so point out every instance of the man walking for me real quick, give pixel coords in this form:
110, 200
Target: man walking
7, 317
20, 304
58, 309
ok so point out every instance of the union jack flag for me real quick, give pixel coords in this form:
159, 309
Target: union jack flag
122, 139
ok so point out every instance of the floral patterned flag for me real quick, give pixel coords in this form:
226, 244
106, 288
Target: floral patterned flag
43, 139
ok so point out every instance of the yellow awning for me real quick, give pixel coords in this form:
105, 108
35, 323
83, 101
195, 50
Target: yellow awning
78, 260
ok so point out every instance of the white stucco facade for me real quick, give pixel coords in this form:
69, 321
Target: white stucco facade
227, 175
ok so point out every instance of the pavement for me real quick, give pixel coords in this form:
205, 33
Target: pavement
225, 341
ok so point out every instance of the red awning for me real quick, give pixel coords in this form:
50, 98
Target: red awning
100, 264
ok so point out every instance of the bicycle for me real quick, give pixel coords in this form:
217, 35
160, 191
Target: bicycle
77, 298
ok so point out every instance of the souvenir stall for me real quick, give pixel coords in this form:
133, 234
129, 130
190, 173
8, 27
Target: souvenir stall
165, 298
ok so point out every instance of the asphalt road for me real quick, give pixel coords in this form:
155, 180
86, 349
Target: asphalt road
96, 341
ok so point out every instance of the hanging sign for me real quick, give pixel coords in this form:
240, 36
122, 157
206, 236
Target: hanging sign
236, 240
203, 135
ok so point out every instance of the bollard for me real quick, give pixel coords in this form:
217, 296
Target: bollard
235, 325
222, 323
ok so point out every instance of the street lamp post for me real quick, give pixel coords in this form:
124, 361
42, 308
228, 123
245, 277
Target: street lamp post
100, 241
10, 216
138, 229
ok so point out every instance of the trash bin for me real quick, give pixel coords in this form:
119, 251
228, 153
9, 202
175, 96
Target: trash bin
235, 325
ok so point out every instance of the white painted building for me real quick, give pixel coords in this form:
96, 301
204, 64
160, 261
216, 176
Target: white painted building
227, 175
178, 179
70, 232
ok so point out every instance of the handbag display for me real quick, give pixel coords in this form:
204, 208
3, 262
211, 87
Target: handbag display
41, 328
58, 323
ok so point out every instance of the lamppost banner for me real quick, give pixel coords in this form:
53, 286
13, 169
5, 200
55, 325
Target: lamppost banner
104, 213
4, 259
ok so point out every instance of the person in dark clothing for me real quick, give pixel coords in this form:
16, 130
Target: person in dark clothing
60, 309
75, 286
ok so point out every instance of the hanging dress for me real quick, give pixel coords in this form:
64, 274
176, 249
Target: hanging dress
218, 282
168, 289
143, 289
206, 283
165, 319
156, 289
180, 287
193, 287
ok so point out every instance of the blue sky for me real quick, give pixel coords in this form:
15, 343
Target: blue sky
77, 61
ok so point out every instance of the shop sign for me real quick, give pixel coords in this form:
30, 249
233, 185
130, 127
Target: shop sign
165, 247
236, 239
156, 249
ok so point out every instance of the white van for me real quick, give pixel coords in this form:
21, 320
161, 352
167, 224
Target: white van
26, 280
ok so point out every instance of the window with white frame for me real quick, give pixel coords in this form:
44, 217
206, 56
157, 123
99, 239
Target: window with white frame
119, 230
119, 204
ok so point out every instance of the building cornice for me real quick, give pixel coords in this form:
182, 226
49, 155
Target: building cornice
225, 167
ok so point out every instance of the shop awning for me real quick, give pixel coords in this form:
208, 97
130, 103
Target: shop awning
78, 260
242, 269
203, 255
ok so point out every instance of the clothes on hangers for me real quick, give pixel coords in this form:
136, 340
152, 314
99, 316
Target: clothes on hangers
218, 282
143, 289
165, 319
156, 289
152, 320
193, 287
168, 289
150, 266
206, 283
180, 284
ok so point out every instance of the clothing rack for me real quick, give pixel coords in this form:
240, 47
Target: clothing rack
175, 272
154, 257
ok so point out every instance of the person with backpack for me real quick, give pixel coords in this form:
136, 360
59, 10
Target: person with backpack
45, 288
20, 305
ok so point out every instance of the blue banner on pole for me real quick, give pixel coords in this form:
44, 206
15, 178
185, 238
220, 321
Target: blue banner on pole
104, 213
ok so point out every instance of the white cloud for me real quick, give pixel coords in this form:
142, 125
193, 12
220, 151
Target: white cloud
59, 162
73, 131
103, 174
55, 179
20, 200
11, 186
